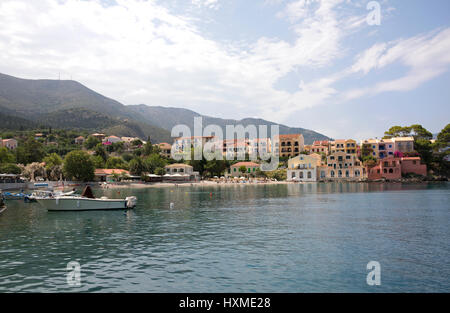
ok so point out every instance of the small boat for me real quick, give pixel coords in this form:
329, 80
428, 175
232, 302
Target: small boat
84, 202
14, 196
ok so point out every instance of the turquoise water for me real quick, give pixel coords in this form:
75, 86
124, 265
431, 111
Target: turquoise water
279, 238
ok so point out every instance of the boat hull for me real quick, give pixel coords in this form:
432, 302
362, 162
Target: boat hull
78, 204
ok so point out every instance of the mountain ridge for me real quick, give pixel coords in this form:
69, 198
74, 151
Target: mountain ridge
70, 104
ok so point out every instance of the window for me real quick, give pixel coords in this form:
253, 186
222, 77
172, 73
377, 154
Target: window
357, 173
340, 173
293, 175
322, 174
391, 171
332, 173
347, 173
301, 174
309, 175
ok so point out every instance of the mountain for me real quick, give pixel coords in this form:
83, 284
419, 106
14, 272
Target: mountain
9, 122
166, 118
69, 104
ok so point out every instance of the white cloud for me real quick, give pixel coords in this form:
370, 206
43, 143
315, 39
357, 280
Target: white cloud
424, 56
141, 52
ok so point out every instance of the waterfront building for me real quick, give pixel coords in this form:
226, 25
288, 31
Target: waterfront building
348, 146
259, 146
289, 145
380, 148
403, 144
390, 168
180, 172
11, 144
393, 168
181, 143
320, 147
342, 166
108, 174
303, 167
413, 165
250, 168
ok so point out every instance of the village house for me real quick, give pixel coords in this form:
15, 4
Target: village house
403, 144
320, 146
380, 148
79, 140
348, 146
342, 165
180, 172
390, 168
98, 136
112, 139
393, 168
104, 175
38, 136
183, 145
259, 146
303, 167
165, 149
11, 144
235, 169
413, 165
289, 145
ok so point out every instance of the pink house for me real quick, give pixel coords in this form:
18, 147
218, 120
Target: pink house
413, 165
393, 168
388, 168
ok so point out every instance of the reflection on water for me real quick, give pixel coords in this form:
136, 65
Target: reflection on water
268, 238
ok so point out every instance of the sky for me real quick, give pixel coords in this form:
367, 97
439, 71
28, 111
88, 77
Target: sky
345, 68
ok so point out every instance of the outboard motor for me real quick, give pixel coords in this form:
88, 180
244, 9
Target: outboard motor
131, 202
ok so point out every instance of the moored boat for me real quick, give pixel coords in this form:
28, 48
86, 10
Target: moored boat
85, 202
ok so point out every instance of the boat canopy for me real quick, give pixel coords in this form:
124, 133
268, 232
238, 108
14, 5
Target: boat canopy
87, 192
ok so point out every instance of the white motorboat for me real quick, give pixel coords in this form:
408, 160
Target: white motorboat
85, 202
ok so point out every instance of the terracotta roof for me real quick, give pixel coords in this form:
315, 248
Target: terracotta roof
246, 164
102, 171
289, 136
177, 165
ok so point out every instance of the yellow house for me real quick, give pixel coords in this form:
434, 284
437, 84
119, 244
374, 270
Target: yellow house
348, 146
303, 167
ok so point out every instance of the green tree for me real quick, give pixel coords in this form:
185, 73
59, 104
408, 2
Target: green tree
136, 166
98, 161
53, 166
116, 163
91, 142
78, 165
152, 162
31, 151
216, 167
443, 138
52, 161
6, 156
101, 152
10, 168
148, 148
243, 169
160, 171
